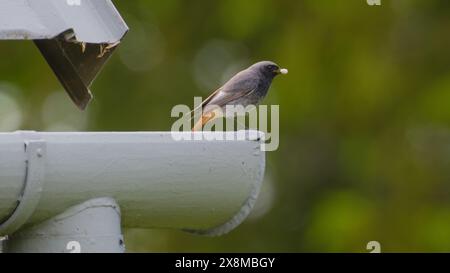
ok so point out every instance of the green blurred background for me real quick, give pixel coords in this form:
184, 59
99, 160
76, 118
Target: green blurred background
365, 113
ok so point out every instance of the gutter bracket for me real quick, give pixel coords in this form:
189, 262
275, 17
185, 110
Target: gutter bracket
35, 150
93, 226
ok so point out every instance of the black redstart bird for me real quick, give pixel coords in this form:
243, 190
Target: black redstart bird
247, 87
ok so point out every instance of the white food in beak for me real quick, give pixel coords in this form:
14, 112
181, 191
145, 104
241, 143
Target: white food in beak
284, 71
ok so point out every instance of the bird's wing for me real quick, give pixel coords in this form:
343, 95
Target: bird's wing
222, 98
237, 87
205, 102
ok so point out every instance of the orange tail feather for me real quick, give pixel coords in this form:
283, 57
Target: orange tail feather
205, 118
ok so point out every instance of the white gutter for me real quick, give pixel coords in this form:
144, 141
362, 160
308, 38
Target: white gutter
207, 187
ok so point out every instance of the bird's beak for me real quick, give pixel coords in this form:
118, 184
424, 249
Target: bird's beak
282, 71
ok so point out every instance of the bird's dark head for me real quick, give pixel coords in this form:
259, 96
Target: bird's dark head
268, 69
